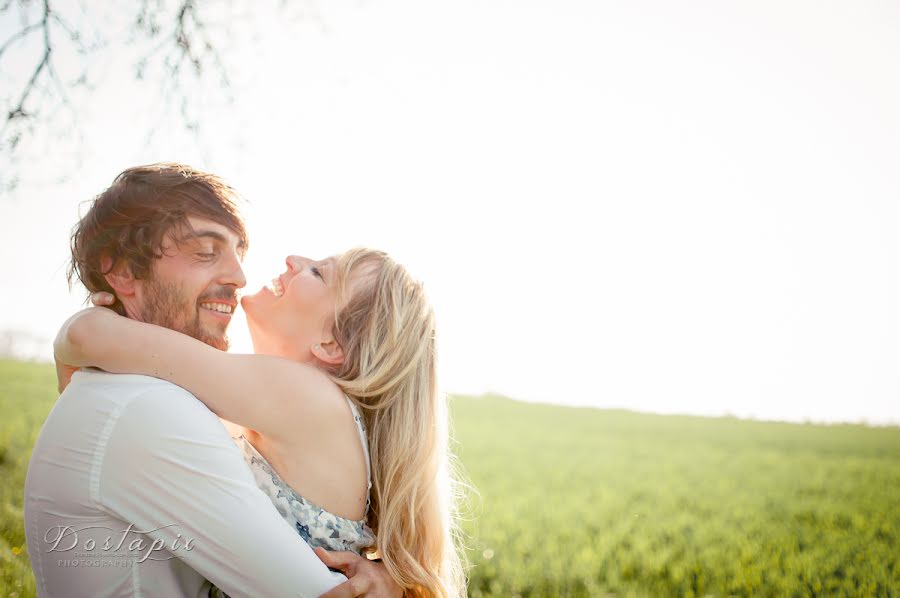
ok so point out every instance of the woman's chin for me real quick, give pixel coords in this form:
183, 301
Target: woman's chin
254, 310
254, 300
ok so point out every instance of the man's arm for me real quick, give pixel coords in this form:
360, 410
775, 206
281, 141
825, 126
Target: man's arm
169, 462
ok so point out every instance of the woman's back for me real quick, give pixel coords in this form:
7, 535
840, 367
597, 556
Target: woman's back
327, 463
308, 505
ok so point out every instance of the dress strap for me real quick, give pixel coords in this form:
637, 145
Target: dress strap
361, 428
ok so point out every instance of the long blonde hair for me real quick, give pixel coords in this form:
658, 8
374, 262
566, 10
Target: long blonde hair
386, 328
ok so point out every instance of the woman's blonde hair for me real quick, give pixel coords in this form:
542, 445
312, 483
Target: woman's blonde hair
386, 328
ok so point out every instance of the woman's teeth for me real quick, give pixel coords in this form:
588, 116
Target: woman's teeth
219, 307
277, 287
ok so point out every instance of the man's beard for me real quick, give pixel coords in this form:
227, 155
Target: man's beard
165, 304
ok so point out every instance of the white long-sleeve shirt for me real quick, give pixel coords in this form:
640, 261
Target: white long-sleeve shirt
136, 489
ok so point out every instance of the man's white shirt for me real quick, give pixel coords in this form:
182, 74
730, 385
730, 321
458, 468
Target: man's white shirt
136, 489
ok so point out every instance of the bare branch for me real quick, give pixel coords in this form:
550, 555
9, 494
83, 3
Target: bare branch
179, 43
22, 34
73, 35
19, 110
188, 47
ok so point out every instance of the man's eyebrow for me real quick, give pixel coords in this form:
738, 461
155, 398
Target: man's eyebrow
211, 234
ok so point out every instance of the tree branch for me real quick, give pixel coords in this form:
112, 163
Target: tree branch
19, 110
19, 35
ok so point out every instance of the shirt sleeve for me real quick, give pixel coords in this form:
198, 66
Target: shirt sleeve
169, 468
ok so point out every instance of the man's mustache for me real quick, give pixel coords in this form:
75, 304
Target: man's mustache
222, 294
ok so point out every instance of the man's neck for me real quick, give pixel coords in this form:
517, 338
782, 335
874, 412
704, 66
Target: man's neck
132, 312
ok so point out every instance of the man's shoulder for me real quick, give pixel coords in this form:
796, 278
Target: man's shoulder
142, 401
143, 407
92, 380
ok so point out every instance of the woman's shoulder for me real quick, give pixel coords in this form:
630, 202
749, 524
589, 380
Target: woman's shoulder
327, 459
311, 402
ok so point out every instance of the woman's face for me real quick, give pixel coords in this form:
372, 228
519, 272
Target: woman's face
294, 315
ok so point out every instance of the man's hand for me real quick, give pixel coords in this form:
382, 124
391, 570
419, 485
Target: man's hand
364, 577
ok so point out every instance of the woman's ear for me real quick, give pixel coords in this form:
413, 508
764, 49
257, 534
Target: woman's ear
119, 277
329, 352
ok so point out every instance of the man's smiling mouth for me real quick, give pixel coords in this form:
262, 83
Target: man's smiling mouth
222, 308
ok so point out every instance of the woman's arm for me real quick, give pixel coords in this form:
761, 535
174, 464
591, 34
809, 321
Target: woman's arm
63, 375
268, 394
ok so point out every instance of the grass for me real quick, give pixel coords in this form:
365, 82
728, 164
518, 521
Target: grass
589, 502
27, 391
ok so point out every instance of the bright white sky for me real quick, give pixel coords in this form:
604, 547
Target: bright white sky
679, 207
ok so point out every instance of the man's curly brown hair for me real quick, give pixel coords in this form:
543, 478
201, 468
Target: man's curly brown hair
129, 220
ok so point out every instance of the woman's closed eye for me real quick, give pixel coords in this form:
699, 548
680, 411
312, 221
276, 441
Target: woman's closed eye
316, 272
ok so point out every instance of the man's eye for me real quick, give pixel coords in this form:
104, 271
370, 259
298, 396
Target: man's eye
205, 256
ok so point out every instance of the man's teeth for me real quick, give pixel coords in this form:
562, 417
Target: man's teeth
220, 307
277, 287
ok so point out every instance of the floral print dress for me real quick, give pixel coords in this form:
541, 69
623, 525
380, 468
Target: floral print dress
315, 525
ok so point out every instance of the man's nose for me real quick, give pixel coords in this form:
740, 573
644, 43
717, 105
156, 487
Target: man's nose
234, 273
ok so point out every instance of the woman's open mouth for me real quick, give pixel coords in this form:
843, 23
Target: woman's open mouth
277, 287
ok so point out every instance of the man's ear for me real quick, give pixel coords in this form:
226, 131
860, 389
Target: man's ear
120, 277
329, 352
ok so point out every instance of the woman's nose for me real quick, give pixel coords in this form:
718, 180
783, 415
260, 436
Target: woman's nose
294, 263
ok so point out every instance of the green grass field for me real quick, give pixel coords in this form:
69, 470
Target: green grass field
588, 502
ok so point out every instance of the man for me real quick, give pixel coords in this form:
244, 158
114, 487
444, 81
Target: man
134, 487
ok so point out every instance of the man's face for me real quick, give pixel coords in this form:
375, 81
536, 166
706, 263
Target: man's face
193, 287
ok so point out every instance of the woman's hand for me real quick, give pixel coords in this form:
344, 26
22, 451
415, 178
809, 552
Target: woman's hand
64, 375
102, 299
364, 577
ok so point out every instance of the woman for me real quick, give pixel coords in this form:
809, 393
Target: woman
344, 351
